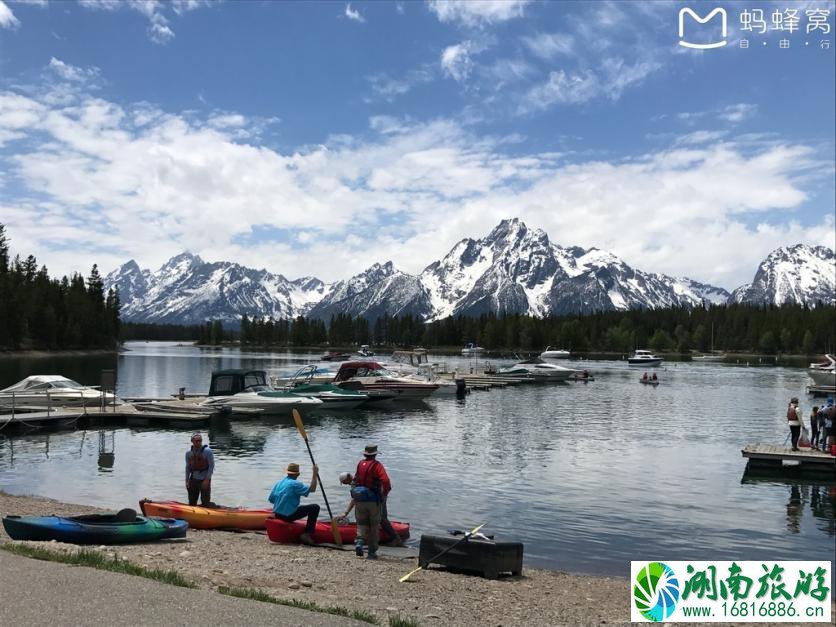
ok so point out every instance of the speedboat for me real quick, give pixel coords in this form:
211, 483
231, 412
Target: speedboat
247, 390
644, 358
369, 377
823, 373
539, 369
332, 396
52, 389
471, 349
365, 351
554, 353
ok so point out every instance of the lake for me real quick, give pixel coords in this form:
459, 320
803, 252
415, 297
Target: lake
588, 475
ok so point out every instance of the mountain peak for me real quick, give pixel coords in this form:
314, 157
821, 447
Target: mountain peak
510, 229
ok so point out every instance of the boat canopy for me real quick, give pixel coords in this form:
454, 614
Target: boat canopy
232, 381
42, 383
351, 369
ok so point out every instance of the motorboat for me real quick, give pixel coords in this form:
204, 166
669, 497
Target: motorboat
335, 356
644, 358
539, 369
472, 349
247, 390
365, 351
369, 377
823, 373
47, 390
332, 396
554, 353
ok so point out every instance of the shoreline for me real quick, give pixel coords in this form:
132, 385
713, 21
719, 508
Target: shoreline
212, 558
70, 352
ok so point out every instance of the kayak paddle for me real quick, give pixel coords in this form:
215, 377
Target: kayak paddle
435, 557
297, 418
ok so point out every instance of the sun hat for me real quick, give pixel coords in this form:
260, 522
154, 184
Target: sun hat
371, 449
794, 400
292, 469
197, 436
345, 477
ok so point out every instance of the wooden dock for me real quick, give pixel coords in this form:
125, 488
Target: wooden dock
770, 456
821, 390
125, 412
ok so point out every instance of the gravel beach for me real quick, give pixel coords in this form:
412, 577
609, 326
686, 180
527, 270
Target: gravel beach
332, 577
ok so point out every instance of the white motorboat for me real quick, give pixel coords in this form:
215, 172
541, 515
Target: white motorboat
47, 390
247, 390
369, 377
554, 353
824, 373
644, 358
539, 369
365, 351
472, 349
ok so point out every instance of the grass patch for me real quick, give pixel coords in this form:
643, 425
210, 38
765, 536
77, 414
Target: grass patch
258, 595
94, 559
402, 621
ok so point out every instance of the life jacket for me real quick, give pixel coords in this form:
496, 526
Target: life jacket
197, 459
365, 478
792, 414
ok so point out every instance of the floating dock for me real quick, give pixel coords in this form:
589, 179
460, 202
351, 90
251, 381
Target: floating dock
126, 412
821, 390
772, 457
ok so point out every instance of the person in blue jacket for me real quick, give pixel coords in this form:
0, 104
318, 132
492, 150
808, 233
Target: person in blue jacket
286, 495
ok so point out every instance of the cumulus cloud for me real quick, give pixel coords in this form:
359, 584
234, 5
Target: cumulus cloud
7, 18
477, 12
456, 62
353, 14
156, 183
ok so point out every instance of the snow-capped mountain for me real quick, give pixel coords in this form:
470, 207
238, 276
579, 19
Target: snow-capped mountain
797, 274
513, 269
188, 290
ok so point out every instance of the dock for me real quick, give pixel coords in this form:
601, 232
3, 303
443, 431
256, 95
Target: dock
821, 390
773, 457
131, 414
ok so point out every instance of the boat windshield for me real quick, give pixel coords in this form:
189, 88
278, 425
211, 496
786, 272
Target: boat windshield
258, 388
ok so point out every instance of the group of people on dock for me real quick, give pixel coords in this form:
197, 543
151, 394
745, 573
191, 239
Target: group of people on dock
823, 434
369, 488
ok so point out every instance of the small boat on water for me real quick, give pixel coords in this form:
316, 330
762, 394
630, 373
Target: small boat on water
119, 528
472, 349
539, 369
332, 396
370, 378
823, 373
199, 517
335, 356
288, 533
554, 353
644, 358
649, 381
365, 351
52, 389
238, 389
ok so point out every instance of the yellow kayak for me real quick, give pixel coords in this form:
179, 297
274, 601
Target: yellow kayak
216, 517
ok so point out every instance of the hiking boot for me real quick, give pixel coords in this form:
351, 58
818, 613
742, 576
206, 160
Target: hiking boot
372, 555
358, 550
306, 539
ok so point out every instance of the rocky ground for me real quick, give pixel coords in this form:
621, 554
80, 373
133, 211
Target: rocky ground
333, 577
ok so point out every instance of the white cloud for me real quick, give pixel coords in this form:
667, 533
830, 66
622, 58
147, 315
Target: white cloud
159, 29
7, 18
72, 73
477, 12
547, 46
155, 183
456, 62
353, 14
388, 88
738, 112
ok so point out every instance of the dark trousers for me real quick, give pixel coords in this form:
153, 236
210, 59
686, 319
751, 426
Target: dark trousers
814, 428
794, 433
196, 487
311, 511
385, 524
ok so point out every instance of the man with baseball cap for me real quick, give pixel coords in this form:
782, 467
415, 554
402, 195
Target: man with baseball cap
200, 464
285, 497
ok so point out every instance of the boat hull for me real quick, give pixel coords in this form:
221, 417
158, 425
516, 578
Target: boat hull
288, 533
644, 362
200, 517
823, 378
93, 529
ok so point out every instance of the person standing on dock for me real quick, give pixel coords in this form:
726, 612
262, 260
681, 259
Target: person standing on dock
814, 427
200, 464
285, 497
372, 486
794, 421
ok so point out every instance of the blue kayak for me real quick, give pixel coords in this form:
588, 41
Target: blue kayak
121, 528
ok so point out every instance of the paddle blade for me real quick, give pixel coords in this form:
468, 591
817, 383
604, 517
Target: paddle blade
409, 574
338, 539
297, 418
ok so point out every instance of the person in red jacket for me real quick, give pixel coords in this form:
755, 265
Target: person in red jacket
371, 486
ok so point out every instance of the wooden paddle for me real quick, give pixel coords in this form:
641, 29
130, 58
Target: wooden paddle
297, 418
435, 557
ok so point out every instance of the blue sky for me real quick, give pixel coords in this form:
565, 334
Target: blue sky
318, 138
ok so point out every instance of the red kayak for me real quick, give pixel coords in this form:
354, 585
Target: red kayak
288, 533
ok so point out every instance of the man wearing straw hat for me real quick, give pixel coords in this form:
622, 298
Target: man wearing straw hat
371, 487
285, 497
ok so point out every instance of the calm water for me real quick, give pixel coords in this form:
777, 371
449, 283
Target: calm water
589, 476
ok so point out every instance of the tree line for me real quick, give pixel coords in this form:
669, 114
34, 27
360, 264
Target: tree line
39, 312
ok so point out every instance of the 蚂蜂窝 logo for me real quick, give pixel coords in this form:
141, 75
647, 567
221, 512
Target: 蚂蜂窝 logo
656, 591
687, 11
